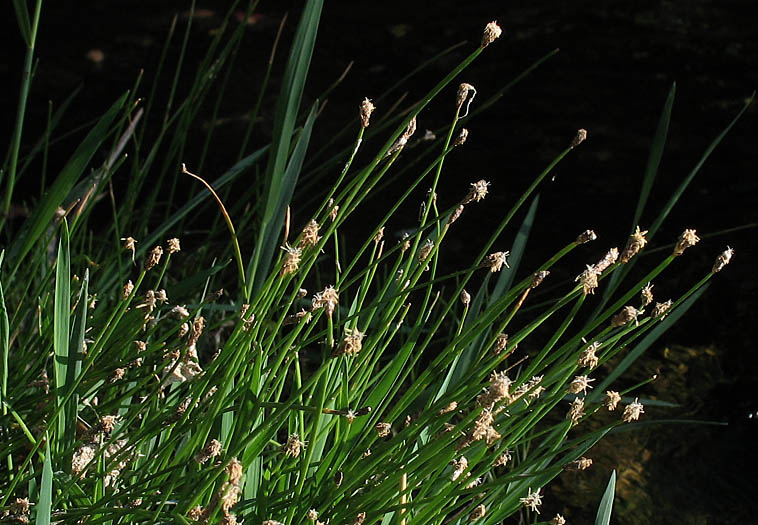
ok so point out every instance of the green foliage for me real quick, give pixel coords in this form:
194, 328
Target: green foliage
132, 392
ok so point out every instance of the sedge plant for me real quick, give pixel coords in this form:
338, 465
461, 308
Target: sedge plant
327, 382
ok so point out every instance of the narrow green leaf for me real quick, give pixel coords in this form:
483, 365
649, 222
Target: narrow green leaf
61, 322
4, 340
603, 516
277, 201
44, 504
22, 18
517, 251
287, 109
74, 364
37, 223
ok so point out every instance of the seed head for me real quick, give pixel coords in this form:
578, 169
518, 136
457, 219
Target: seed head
465, 298
153, 258
495, 261
366, 109
660, 309
234, 471
310, 235
722, 260
607, 260
686, 240
359, 518
491, 33
211, 450
20, 508
588, 280
612, 399
503, 459
637, 241
379, 235
580, 464
576, 410
129, 244
627, 313
585, 237
461, 138
588, 358
532, 500
455, 215
477, 192
293, 446
453, 405
538, 277
462, 95
632, 411
333, 210
82, 457
501, 341
351, 344
425, 250
646, 295
581, 136
558, 520
312, 515
128, 289
383, 429
173, 245
580, 384
478, 513
291, 260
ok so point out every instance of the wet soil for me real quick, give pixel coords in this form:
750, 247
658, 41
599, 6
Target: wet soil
616, 64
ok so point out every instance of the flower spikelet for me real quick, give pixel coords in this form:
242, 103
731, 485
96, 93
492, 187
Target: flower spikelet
291, 262
310, 236
351, 344
459, 465
607, 260
580, 384
660, 309
211, 450
581, 136
646, 295
495, 261
153, 258
637, 241
477, 192
328, 300
612, 399
722, 260
293, 446
585, 237
478, 513
532, 500
588, 280
558, 520
627, 313
173, 245
491, 33
501, 341
580, 464
576, 410
686, 240
366, 109
588, 358
383, 429
632, 411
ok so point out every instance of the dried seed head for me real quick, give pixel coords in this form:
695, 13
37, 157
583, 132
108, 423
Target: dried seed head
153, 258
580, 384
359, 518
465, 298
82, 457
234, 471
106, 424
141, 346
211, 450
581, 136
379, 235
173, 245
118, 374
425, 250
686, 240
660, 309
495, 261
20, 508
180, 312
351, 344
608, 260
291, 261
161, 296
333, 211
183, 330
612, 399
588, 358
328, 300
532, 500
558, 520
501, 341
453, 405
461, 138
459, 466
127, 291
632, 411
503, 459
302, 292
479, 511
455, 215
462, 95
405, 242
293, 446
580, 464
627, 313
588, 280
310, 235
491, 33
383, 429
646, 295
312, 515
722, 260
585, 237
637, 241
196, 513
196, 330
271, 522
366, 109
129, 244
498, 390
576, 410
538, 277
477, 192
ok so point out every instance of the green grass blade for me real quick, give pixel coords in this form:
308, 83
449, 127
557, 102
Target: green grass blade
38, 222
288, 107
279, 197
44, 504
603, 516
4, 341
505, 280
61, 321
74, 365
22, 19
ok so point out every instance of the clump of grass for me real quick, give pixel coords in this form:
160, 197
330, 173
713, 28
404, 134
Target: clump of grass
328, 382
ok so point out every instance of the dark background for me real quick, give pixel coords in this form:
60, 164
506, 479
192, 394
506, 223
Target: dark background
611, 77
